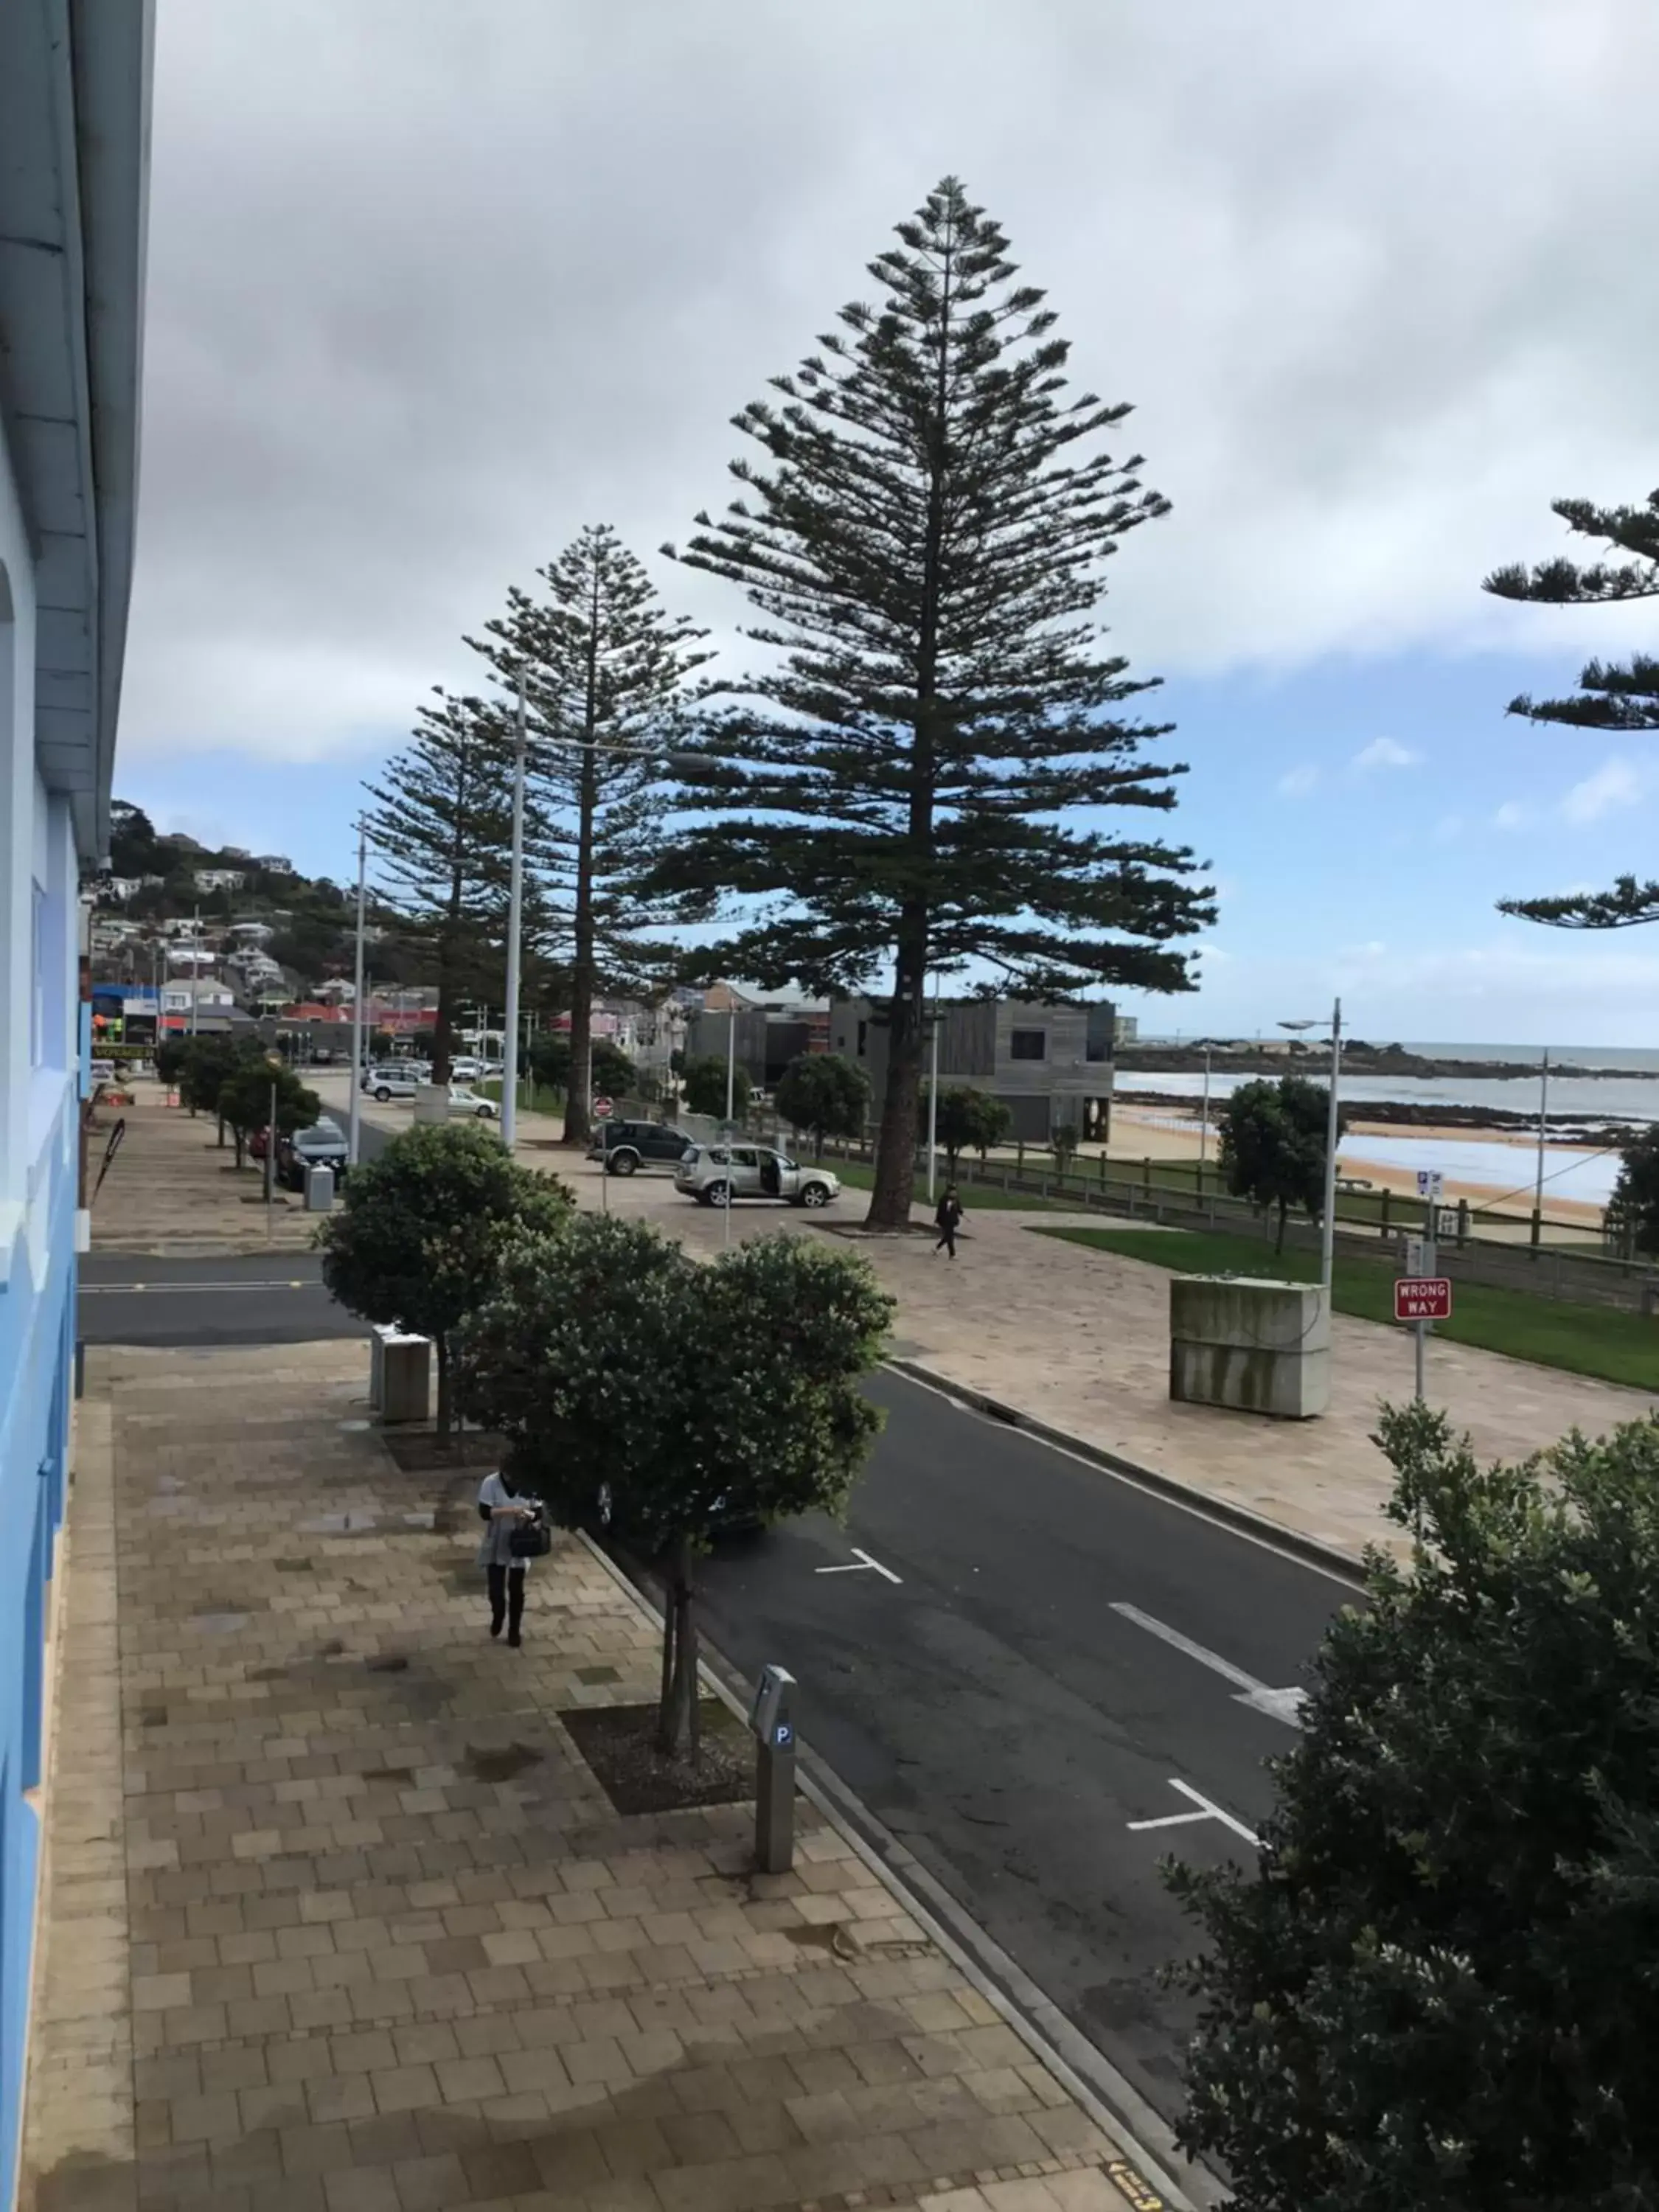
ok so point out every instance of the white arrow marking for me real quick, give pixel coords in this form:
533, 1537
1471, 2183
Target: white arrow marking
1279, 1705
863, 1561
1207, 1812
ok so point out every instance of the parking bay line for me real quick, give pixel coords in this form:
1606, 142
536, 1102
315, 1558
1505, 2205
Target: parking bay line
1279, 1705
1208, 1810
126, 1290
862, 1563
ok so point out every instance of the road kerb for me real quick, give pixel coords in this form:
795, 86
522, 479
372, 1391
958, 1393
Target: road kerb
1083, 2070
1330, 1558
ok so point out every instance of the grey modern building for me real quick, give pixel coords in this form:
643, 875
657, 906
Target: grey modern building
1050, 1065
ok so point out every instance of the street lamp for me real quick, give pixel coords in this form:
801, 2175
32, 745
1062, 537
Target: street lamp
357, 1006
1327, 1226
274, 1062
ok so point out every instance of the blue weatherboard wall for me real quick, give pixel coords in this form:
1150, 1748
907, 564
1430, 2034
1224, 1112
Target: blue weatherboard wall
36, 1367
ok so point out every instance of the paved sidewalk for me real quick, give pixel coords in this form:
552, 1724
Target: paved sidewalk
171, 1192
383, 1945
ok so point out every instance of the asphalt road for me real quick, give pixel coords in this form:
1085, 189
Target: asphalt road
987, 1699
1009, 1656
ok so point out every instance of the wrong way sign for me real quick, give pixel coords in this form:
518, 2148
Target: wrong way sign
1422, 1297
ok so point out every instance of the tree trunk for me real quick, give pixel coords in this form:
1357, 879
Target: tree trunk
584, 978
901, 1105
677, 1727
1279, 1241
445, 1387
221, 1136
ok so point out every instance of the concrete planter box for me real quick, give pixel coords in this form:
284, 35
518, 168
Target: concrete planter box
1255, 1346
432, 1102
399, 1375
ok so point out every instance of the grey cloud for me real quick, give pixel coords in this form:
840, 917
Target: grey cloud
433, 283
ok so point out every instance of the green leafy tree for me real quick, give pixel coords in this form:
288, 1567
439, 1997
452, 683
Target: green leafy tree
824, 1094
171, 1054
1632, 1214
132, 846
1435, 1989
613, 1074
418, 1240
245, 1100
604, 670
926, 760
1272, 1145
969, 1120
442, 826
207, 1065
624, 1374
702, 1084
1621, 696
1065, 1142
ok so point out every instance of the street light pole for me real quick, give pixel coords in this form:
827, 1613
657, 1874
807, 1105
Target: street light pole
515, 940
1543, 1131
731, 1112
932, 1098
1203, 1115
354, 1120
195, 968
1327, 1226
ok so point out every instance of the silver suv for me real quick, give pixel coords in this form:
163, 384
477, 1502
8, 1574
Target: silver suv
753, 1171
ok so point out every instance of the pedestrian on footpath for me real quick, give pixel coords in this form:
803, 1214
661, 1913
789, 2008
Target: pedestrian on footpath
947, 1219
513, 1526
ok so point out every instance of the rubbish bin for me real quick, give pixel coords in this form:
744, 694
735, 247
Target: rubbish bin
399, 1375
319, 1190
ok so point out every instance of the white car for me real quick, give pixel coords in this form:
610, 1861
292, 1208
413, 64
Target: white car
386, 1083
753, 1171
463, 1101
465, 1071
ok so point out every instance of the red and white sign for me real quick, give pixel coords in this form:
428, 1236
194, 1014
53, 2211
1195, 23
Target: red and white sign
602, 1109
1422, 1297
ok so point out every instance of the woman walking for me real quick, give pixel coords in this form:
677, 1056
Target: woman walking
946, 1220
504, 1513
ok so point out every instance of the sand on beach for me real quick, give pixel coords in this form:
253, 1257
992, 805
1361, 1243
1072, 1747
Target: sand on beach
1161, 1133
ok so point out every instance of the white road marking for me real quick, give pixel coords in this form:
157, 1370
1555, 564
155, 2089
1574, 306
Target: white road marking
122, 1290
1279, 1705
864, 1563
1208, 1811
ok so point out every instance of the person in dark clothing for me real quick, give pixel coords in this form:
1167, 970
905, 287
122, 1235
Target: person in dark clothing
946, 1219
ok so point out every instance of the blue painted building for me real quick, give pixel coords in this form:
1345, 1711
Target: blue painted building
75, 88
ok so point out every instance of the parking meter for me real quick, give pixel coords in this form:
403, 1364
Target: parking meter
772, 1721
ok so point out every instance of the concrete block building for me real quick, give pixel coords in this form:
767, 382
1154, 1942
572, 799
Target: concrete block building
75, 91
1050, 1065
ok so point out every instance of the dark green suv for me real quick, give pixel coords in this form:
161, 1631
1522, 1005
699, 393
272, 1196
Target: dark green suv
627, 1146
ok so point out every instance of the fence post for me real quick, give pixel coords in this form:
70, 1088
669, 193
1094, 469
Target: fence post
1146, 1176
1198, 1180
1388, 1196
1462, 1222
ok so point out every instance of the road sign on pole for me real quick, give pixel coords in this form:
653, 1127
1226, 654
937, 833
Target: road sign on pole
1430, 1184
603, 1109
1422, 1297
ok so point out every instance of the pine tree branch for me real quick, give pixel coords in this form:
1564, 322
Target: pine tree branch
1628, 905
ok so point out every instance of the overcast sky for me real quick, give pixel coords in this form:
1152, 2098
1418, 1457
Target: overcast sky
433, 283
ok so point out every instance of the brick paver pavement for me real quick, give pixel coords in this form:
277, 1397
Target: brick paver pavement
382, 1943
170, 1191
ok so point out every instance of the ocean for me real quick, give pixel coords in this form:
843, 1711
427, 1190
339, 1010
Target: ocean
1629, 1092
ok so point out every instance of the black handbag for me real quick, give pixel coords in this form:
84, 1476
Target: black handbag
530, 1539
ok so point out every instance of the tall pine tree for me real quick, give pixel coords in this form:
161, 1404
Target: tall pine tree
605, 669
936, 721
1618, 697
441, 826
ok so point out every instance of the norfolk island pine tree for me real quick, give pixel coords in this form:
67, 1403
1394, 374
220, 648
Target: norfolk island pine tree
605, 669
923, 538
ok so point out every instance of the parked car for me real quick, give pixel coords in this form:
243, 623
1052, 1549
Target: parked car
463, 1101
319, 1146
258, 1143
627, 1146
753, 1171
466, 1070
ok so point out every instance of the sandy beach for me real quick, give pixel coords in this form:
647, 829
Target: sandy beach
1171, 1133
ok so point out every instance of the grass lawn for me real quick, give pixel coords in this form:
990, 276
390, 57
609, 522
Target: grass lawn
976, 1198
1615, 1347
537, 1098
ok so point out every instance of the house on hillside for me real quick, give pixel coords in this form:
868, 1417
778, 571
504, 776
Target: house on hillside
275, 864
74, 190
1050, 1065
220, 879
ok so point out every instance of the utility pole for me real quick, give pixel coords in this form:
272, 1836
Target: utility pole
195, 968
515, 940
1204, 1114
355, 1122
1543, 1132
